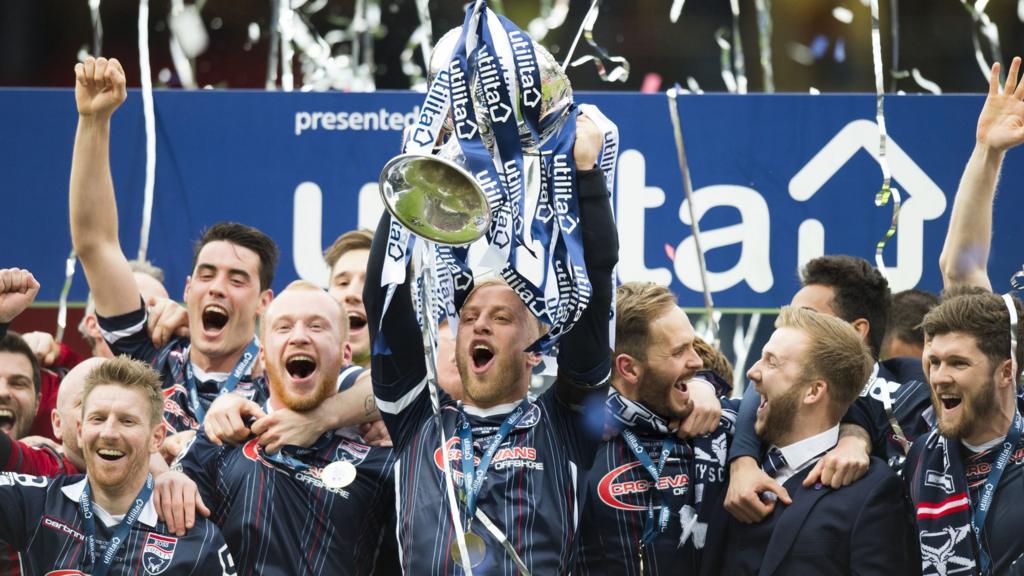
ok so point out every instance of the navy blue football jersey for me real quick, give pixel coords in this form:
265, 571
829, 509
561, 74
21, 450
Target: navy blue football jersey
532, 490
279, 518
620, 492
127, 334
41, 518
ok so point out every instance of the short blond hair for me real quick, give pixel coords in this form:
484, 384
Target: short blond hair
352, 240
307, 286
498, 281
835, 353
131, 374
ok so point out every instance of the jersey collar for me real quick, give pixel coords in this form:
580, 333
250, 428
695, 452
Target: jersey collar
74, 493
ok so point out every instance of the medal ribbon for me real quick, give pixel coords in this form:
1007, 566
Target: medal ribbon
241, 368
989, 489
473, 476
101, 565
655, 473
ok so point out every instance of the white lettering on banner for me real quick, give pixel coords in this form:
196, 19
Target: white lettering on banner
752, 234
358, 121
634, 197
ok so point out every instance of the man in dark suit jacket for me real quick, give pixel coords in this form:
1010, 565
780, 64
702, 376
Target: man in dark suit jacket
811, 370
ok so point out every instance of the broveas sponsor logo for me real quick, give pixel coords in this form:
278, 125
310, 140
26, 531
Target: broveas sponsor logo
611, 489
66, 573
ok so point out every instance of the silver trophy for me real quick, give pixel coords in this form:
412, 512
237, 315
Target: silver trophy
431, 194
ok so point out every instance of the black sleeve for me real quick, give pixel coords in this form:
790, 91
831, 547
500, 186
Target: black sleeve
745, 442
869, 414
3, 329
6, 447
397, 362
200, 461
22, 499
584, 356
128, 334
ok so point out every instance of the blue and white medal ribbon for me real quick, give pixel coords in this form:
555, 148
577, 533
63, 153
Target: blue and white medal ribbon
654, 471
101, 565
242, 367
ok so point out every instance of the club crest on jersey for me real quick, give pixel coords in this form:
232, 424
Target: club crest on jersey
157, 553
611, 489
530, 419
352, 451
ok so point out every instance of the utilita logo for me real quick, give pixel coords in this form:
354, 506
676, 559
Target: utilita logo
610, 489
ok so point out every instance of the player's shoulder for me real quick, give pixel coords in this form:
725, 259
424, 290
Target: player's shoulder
901, 369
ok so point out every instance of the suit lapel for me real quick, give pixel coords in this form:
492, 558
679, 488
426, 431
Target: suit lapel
790, 520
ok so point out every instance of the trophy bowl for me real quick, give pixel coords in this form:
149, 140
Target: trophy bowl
556, 92
435, 198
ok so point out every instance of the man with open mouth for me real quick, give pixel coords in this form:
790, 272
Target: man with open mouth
229, 287
528, 492
810, 371
347, 258
644, 508
310, 511
106, 522
964, 477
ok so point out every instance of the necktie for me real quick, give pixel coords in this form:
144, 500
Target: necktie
773, 462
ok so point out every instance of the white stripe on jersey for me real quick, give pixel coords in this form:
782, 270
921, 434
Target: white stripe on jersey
403, 402
575, 496
116, 335
398, 508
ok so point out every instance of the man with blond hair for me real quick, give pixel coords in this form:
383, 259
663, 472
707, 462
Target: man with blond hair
106, 522
520, 513
811, 370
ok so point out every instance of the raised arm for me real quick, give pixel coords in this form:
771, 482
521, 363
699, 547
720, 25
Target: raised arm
584, 358
964, 259
99, 90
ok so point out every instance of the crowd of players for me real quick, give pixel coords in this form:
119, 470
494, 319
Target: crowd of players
252, 433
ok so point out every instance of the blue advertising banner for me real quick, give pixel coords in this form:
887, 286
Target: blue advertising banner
778, 179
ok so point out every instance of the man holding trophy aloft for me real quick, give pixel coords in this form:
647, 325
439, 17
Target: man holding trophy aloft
489, 485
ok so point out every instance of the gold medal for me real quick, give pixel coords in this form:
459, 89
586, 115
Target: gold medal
475, 548
338, 474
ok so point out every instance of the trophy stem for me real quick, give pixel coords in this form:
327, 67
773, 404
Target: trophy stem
423, 271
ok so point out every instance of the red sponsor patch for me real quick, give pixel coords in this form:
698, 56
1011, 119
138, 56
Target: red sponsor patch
611, 490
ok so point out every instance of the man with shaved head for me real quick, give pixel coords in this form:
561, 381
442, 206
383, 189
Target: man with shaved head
311, 511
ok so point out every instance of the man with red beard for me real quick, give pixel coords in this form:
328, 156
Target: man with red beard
105, 522
644, 510
232, 271
310, 511
964, 476
812, 368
